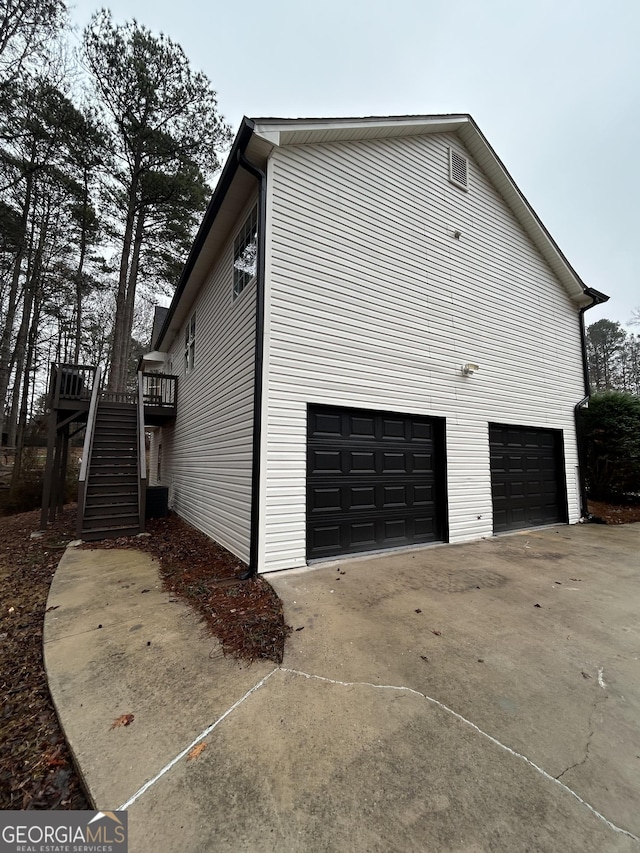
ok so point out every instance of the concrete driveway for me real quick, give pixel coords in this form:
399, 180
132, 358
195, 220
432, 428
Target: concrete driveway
483, 697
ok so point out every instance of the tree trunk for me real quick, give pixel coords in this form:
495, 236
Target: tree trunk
7, 332
16, 475
131, 290
80, 268
34, 273
120, 344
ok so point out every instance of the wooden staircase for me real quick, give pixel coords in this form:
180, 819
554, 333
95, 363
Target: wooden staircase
112, 503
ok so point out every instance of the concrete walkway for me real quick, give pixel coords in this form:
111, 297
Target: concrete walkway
427, 703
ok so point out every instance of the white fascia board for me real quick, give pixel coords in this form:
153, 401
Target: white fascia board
262, 126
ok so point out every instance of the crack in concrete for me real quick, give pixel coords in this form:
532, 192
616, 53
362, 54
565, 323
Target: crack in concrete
578, 763
596, 702
480, 731
404, 689
193, 743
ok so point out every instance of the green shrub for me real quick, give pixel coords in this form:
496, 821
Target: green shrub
610, 433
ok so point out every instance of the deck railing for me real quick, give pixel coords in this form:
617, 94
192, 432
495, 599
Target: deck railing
88, 445
71, 382
142, 456
159, 389
119, 396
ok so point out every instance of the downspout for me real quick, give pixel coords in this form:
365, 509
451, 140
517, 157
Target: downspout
597, 298
258, 364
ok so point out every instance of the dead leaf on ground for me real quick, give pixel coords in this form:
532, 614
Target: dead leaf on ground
123, 720
196, 751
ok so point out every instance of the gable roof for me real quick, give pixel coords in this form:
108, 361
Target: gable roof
256, 139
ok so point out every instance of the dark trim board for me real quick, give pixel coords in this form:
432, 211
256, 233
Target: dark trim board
375, 480
528, 477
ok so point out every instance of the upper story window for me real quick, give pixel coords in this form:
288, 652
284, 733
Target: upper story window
190, 345
245, 254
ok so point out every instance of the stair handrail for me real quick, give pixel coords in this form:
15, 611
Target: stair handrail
88, 444
142, 454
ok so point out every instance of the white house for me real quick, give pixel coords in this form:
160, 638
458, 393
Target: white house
379, 345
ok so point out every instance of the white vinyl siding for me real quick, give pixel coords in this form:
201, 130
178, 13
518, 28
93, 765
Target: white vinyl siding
374, 303
155, 439
206, 455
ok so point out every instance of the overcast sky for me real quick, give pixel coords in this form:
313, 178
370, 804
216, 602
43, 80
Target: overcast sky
553, 84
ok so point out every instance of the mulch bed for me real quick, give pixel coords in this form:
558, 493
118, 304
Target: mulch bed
615, 513
36, 768
245, 616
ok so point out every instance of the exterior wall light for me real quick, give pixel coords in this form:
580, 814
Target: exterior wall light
469, 369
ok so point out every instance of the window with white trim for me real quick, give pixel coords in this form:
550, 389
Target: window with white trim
245, 254
190, 345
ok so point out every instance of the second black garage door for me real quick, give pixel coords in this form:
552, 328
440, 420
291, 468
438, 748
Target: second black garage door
527, 477
374, 480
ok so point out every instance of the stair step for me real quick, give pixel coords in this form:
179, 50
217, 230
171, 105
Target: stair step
111, 461
108, 511
105, 406
114, 491
125, 448
110, 519
113, 479
95, 534
109, 500
102, 423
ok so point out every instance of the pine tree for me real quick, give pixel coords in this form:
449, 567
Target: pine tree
165, 135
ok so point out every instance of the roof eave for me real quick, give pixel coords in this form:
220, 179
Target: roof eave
222, 187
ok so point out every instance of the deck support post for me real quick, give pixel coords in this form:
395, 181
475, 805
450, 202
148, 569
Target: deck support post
48, 468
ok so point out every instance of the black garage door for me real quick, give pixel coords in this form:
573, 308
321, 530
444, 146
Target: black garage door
374, 480
527, 477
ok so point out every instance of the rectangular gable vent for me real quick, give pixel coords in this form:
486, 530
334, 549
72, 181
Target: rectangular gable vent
458, 169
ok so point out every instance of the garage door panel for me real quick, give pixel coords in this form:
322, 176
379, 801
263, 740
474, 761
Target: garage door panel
325, 538
326, 424
394, 429
366, 499
360, 427
385, 489
325, 461
393, 463
527, 477
327, 499
395, 496
421, 463
361, 497
359, 462
420, 431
